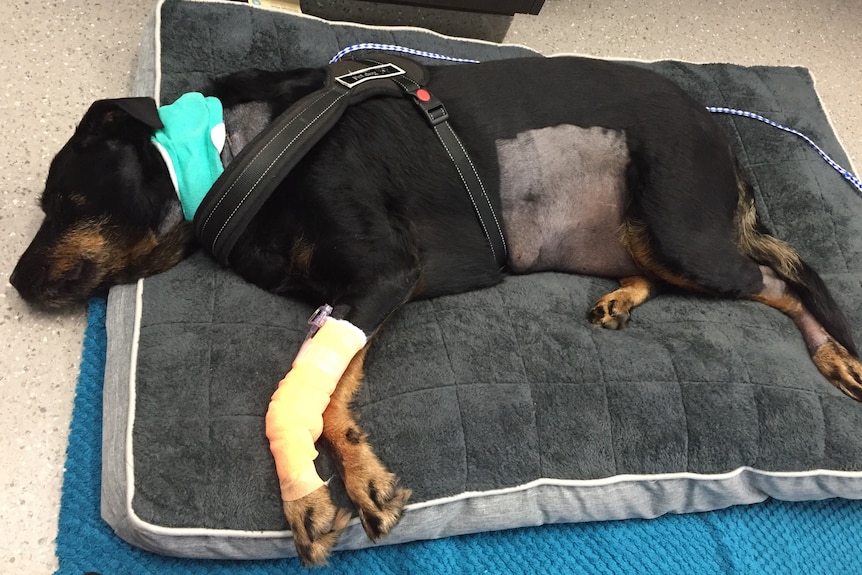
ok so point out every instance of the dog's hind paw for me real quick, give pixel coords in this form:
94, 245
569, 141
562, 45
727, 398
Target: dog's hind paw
838, 366
609, 313
316, 524
613, 310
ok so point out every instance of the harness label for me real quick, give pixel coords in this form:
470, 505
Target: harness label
373, 73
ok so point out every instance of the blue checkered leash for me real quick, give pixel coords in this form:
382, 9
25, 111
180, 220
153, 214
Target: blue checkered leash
846, 174
400, 49
855, 181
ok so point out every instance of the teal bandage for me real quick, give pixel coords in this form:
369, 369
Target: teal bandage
191, 142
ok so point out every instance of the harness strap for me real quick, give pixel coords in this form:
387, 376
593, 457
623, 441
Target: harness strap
438, 118
249, 180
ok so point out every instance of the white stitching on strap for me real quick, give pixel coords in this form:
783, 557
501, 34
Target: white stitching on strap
245, 197
481, 185
464, 181
248, 165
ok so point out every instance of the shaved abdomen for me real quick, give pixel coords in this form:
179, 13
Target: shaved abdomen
563, 191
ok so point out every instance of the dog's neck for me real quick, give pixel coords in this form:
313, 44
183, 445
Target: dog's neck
191, 143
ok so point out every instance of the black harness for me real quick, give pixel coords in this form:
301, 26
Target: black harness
249, 180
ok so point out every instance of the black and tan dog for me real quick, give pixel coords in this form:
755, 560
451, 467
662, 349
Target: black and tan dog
594, 167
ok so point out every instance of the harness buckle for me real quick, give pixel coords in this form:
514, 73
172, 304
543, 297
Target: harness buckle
432, 108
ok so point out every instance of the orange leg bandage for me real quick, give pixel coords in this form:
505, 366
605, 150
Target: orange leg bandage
294, 420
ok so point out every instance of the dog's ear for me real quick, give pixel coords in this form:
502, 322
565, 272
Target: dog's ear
107, 119
141, 109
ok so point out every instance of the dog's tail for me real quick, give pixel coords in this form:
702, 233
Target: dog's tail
754, 241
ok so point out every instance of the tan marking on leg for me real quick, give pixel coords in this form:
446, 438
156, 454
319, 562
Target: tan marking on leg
301, 253
759, 246
613, 310
635, 238
372, 488
787, 304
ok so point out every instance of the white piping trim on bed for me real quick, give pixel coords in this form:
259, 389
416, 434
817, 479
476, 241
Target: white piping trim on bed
157, 55
543, 482
130, 417
828, 115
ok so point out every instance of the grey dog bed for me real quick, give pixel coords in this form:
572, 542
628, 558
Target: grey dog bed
498, 408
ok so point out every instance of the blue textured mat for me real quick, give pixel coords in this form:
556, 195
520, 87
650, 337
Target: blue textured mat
773, 537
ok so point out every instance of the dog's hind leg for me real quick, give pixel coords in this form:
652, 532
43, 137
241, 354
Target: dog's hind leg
785, 283
834, 360
793, 287
727, 254
613, 310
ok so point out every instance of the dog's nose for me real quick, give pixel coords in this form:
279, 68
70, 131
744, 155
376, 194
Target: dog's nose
19, 281
26, 279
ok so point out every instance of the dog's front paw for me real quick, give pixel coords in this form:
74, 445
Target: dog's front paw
316, 524
378, 498
388, 500
842, 369
610, 313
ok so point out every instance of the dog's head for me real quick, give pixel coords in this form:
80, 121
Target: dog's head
111, 212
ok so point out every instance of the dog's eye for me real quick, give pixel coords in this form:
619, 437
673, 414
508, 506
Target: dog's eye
63, 208
82, 270
76, 272
77, 200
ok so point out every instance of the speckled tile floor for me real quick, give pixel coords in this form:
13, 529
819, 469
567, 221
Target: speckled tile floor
59, 55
